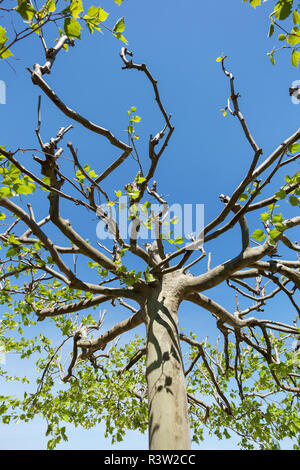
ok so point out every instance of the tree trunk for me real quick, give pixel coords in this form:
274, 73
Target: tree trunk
167, 399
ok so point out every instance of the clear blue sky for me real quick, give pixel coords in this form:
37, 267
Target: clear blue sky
208, 154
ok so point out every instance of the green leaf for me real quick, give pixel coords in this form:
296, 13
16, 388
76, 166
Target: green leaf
295, 58
141, 180
133, 195
50, 5
72, 28
255, 3
294, 36
274, 233
280, 226
13, 240
282, 37
94, 17
276, 218
3, 37
121, 37
294, 201
28, 188
135, 119
271, 207
149, 277
5, 53
271, 55
92, 174
51, 444
119, 26
265, 216
102, 14
296, 17
4, 192
271, 30
281, 194
14, 172
283, 9
25, 9
46, 180
258, 235
80, 176
129, 281
76, 8
293, 148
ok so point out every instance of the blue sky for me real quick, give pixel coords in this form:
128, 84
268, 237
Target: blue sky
208, 154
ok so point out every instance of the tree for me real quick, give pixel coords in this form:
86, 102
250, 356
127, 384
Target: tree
170, 371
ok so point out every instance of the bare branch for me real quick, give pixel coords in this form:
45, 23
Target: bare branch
234, 97
37, 80
100, 343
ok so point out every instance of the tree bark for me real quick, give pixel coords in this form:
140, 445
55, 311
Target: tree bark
167, 399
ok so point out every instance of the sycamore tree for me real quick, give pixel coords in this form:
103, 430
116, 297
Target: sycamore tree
171, 383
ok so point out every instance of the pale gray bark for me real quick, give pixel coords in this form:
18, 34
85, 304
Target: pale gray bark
167, 398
